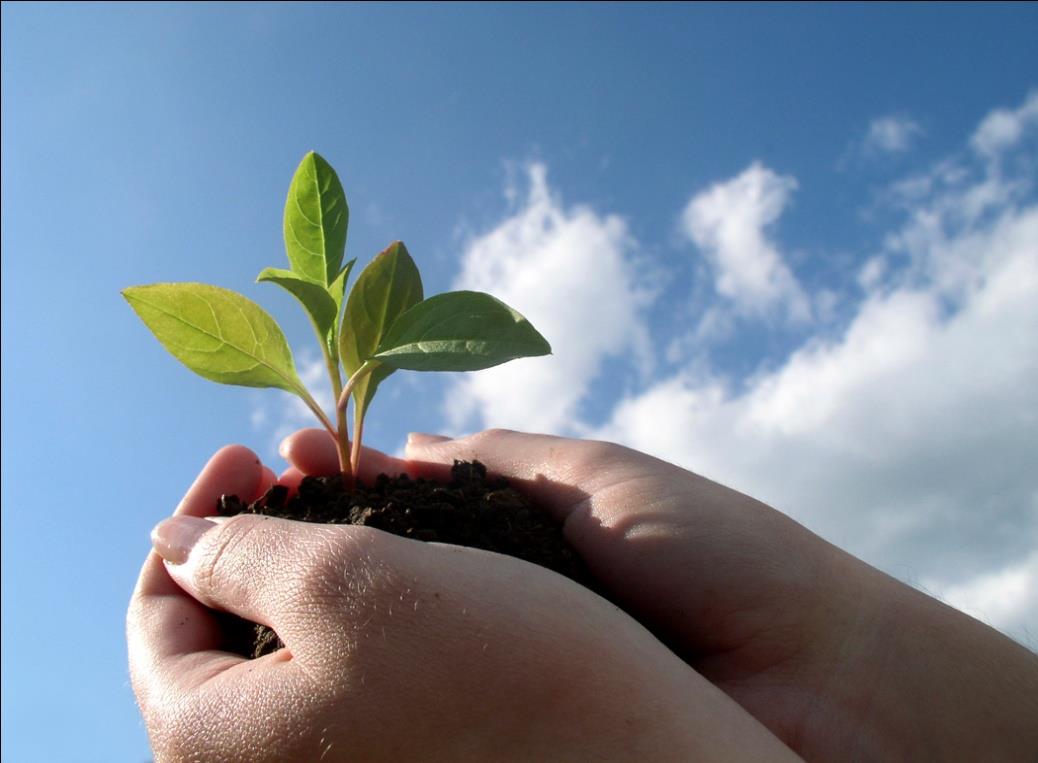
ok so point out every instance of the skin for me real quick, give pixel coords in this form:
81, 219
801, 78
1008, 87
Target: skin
398, 650
838, 660
735, 619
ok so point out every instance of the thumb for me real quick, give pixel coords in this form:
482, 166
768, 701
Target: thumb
268, 570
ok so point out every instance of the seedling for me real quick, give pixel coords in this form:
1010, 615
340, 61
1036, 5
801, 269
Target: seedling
387, 323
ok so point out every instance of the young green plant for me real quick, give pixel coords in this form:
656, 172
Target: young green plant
387, 323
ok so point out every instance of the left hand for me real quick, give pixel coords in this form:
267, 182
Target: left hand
399, 650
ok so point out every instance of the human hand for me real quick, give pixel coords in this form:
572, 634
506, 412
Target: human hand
398, 650
837, 659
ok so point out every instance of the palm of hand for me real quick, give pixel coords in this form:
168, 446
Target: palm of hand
749, 598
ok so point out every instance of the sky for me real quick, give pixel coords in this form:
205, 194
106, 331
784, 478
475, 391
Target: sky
792, 248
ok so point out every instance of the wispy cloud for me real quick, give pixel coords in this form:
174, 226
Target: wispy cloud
891, 135
1003, 128
888, 137
729, 224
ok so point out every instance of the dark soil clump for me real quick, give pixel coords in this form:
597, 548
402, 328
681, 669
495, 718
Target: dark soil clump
470, 510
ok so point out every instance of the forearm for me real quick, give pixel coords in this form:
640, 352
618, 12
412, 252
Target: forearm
928, 682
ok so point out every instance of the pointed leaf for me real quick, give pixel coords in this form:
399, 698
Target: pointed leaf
217, 333
338, 286
459, 331
387, 287
315, 298
316, 218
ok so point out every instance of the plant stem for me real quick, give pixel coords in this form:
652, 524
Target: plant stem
366, 368
358, 431
313, 406
342, 440
358, 414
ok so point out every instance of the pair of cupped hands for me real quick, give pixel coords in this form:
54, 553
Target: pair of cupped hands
736, 634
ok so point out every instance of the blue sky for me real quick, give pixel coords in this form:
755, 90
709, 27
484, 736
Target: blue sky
794, 248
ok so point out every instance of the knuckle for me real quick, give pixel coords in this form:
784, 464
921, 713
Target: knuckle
344, 590
226, 558
346, 565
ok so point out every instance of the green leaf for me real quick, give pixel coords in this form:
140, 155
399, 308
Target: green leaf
338, 286
459, 331
322, 304
315, 298
217, 333
316, 218
385, 289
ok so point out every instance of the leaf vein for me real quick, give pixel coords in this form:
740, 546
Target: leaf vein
258, 360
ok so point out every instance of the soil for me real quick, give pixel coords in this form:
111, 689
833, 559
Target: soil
470, 510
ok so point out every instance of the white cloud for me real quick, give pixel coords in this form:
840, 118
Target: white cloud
1003, 128
871, 273
1006, 598
571, 272
728, 223
909, 439
891, 135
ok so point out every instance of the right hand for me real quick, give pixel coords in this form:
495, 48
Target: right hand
838, 660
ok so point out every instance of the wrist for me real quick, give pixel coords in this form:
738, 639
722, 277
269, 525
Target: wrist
922, 680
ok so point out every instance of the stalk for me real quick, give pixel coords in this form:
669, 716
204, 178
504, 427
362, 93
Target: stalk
366, 368
358, 431
313, 406
358, 416
342, 440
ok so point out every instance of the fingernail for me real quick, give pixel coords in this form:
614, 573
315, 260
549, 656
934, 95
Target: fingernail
421, 438
174, 538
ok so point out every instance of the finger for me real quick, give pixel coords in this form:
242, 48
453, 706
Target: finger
693, 559
311, 451
291, 478
314, 452
267, 480
560, 474
163, 623
423, 438
234, 470
257, 567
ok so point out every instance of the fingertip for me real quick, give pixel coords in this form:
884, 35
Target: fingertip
291, 478
421, 438
233, 470
267, 481
311, 451
420, 445
237, 459
236, 452
174, 538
